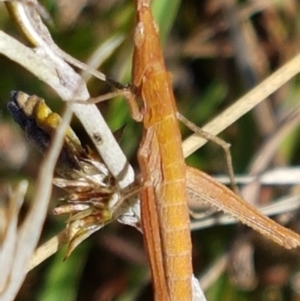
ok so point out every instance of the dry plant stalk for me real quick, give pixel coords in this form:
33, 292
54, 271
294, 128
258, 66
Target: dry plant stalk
46, 69
28, 234
9, 212
244, 104
49, 66
93, 197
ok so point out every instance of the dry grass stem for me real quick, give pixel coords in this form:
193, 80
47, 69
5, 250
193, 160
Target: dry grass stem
244, 104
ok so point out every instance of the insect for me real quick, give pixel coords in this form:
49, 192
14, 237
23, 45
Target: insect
167, 180
92, 193
147, 67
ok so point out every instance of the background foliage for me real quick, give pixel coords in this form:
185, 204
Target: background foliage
212, 62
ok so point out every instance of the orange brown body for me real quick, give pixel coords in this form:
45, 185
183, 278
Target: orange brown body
165, 217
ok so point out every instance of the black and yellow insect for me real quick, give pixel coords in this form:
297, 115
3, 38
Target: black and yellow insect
92, 193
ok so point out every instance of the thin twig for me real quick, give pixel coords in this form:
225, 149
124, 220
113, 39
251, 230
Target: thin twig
29, 233
244, 104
